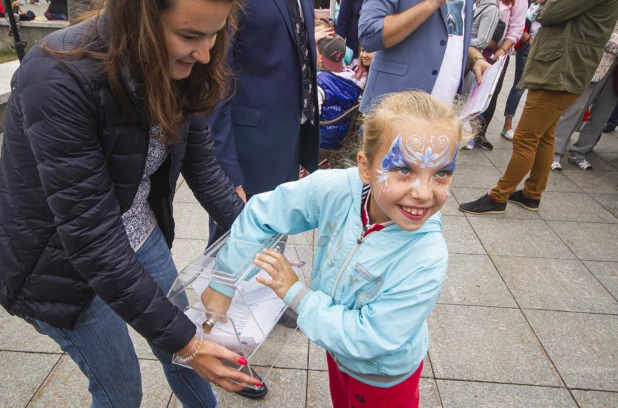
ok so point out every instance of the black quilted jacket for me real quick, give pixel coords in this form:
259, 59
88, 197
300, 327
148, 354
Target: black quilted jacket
71, 164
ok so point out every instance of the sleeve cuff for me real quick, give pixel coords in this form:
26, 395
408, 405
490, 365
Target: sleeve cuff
223, 289
296, 294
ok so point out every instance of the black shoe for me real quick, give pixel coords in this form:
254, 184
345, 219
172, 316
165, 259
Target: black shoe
483, 143
288, 318
518, 197
250, 392
608, 128
484, 205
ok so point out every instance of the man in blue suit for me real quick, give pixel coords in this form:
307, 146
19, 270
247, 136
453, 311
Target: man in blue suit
419, 44
270, 126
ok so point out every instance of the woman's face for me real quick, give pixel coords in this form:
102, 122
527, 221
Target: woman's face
190, 28
366, 57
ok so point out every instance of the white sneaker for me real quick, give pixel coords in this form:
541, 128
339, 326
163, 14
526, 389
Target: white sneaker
555, 166
508, 134
469, 145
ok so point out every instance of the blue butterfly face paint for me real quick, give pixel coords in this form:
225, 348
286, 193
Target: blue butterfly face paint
412, 178
426, 152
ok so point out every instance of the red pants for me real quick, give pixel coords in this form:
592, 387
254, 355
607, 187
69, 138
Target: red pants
348, 392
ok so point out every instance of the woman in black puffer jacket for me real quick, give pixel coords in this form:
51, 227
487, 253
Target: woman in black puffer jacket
102, 119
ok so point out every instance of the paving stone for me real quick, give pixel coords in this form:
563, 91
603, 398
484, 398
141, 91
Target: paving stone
287, 388
318, 390
317, 357
451, 207
578, 207
607, 144
184, 194
427, 368
499, 157
558, 182
527, 238
476, 177
606, 273
608, 201
305, 238
284, 347
609, 158
191, 221
21, 375
18, 335
67, 386
513, 211
555, 284
474, 158
582, 347
430, 397
156, 390
460, 237
473, 280
594, 181
460, 394
578, 236
487, 344
142, 349
596, 399
184, 251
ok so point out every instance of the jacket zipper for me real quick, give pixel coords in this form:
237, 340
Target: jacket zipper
359, 241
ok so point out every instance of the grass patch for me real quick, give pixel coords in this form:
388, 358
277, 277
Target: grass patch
6, 56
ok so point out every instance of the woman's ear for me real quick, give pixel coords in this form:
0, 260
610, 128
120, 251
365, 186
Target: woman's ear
364, 168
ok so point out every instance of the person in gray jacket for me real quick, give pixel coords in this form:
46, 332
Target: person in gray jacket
484, 23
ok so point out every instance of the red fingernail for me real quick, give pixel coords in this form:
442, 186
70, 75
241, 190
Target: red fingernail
257, 384
242, 361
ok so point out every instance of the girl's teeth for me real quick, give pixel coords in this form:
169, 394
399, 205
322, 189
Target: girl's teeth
413, 211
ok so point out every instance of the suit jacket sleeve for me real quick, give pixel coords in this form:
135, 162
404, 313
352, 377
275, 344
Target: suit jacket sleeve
222, 130
345, 15
371, 22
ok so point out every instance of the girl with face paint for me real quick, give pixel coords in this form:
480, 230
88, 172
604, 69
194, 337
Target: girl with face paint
380, 257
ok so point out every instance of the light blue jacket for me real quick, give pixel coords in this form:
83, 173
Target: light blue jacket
369, 298
415, 62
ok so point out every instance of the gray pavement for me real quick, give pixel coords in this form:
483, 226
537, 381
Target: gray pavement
528, 316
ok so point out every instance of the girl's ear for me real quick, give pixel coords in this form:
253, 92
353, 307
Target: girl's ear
364, 168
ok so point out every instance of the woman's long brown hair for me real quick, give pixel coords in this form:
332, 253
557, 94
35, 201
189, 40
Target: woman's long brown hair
136, 40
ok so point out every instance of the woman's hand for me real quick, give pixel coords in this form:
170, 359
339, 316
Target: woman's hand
215, 302
207, 363
479, 68
499, 53
279, 269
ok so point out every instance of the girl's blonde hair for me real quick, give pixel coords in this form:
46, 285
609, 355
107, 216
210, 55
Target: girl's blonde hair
406, 107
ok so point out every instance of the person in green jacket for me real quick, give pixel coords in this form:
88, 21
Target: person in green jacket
561, 63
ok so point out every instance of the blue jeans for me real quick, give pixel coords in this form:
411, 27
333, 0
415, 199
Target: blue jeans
515, 95
100, 345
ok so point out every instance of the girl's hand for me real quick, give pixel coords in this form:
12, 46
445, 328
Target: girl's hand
216, 302
280, 270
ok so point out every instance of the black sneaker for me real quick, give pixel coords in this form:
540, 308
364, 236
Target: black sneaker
484, 205
518, 197
608, 128
483, 143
